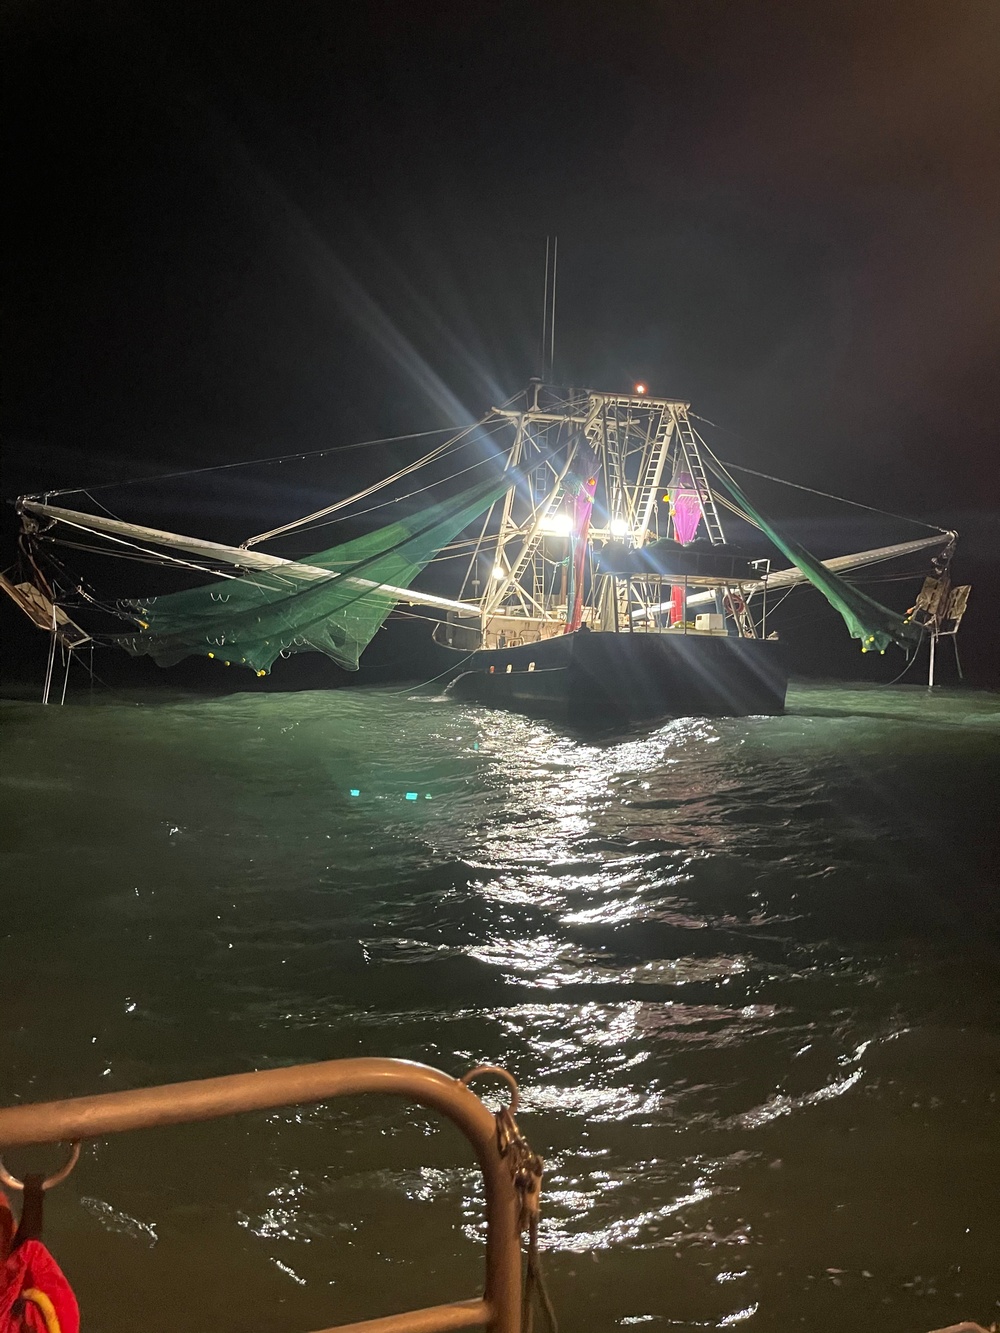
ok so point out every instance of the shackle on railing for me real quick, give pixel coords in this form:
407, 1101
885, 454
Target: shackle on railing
56, 1178
498, 1310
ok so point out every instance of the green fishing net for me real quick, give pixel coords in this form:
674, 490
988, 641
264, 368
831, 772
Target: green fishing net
253, 619
874, 624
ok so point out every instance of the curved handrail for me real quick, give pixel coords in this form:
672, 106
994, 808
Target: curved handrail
209, 1098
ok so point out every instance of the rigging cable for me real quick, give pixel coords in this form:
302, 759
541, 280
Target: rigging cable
248, 462
811, 490
449, 668
359, 495
958, 660
156, 557
435, 453
910, 662
322, 521
721, 500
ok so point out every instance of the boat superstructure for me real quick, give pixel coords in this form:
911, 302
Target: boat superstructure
605, 582
606, 476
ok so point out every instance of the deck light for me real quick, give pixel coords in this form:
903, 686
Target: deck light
557, 525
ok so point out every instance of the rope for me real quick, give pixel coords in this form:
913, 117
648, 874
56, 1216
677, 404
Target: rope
811, 490
721, 500
44, 1303
323, 521
94, 677
360, 495
905, 669
116, 517
155, 556
535, 1292
379, 485
144, 557
451, 667
251, 462
52, 657
30, 1225
69, 662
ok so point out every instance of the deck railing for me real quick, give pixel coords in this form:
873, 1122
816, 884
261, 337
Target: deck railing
498, 1309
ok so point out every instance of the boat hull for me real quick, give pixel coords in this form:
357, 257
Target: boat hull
596, 677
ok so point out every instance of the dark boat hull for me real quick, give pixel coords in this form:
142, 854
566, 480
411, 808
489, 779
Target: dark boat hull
595, 677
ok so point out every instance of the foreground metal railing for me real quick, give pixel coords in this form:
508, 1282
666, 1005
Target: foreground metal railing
499, 1308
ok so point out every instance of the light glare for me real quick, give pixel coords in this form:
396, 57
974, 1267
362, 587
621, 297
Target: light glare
557, 525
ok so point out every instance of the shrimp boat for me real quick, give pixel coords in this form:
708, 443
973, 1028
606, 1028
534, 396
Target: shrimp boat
599, 583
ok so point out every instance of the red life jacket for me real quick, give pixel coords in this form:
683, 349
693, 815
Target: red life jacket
34, 1294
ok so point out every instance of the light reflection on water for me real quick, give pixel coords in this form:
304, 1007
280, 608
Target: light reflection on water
744, 969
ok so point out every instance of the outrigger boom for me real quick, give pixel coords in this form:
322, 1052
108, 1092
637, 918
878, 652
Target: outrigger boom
238, 556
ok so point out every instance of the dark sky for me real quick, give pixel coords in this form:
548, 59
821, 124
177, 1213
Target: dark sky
245, 229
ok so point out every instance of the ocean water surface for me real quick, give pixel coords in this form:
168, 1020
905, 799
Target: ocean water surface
746, 971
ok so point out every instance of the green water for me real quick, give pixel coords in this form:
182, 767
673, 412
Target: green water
747, 972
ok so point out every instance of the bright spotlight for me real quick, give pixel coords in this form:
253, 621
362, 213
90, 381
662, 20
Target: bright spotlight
557, 525
618, 527
499, 572
640, 388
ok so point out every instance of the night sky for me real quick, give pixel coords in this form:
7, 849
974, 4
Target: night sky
241, 230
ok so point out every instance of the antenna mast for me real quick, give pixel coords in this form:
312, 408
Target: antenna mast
552, 315
545, 310
548, 347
